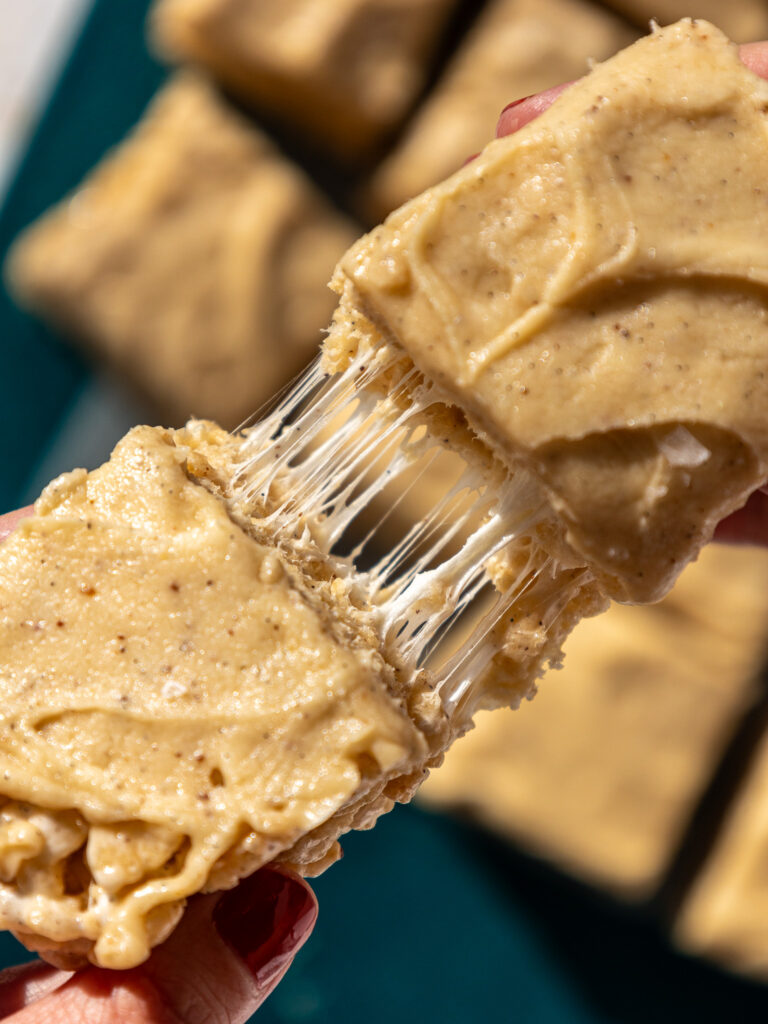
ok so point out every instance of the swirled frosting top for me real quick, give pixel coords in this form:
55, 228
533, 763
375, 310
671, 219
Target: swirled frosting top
177, 708
592, 292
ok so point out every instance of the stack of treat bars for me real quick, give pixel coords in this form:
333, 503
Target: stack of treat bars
194, 259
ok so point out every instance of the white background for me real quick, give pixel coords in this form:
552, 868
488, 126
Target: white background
35, 39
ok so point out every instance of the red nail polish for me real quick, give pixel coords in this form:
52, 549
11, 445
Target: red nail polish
265, 920
516, 103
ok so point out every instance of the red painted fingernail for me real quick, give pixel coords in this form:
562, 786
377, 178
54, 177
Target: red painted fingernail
470, 159
266, 920
516, 103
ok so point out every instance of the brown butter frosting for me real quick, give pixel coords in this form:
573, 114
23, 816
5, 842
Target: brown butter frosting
178, 707
591, 293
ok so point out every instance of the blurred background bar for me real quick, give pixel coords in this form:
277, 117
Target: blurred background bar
192, 171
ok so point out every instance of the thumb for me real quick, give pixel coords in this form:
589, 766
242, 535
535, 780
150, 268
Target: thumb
11, 520
226, 956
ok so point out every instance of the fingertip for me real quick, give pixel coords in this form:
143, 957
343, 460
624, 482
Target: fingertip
25, 983
509, 107
755, 56
748, 525
521, 112
266, 920
219, 965
11, 520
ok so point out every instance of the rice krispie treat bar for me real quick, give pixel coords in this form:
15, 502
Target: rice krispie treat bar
743, 20
346, 72
194, 258
566, 315
602, 772
516, 48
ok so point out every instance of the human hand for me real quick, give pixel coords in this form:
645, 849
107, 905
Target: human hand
749, 525
11, 520
520, 112
219, 965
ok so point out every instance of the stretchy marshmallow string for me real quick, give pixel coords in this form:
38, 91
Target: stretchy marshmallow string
312, 467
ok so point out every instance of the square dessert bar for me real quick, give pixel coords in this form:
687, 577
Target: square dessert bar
725, 913
743, 20
182, 703
590, 292
194, 258
346, 72
602, 772
517, 47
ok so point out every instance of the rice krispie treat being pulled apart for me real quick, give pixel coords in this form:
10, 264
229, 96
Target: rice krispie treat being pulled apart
195, 682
